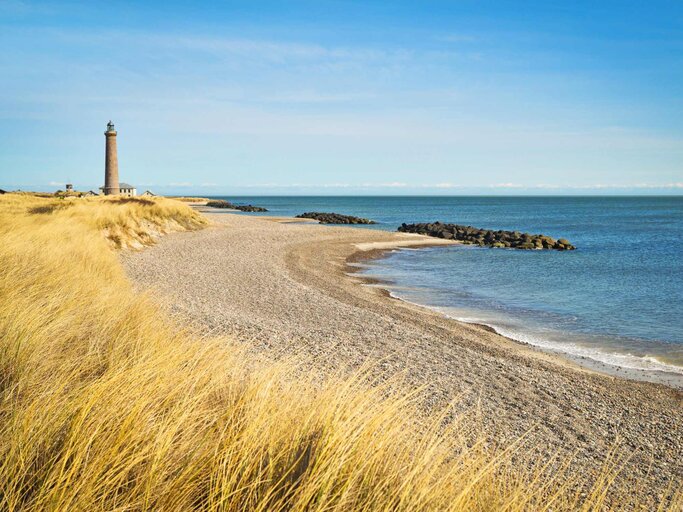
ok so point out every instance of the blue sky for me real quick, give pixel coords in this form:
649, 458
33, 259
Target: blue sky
460, 97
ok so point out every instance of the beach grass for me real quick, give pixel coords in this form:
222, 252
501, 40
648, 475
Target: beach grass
106, 404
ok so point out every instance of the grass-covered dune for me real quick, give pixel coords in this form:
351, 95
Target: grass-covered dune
105, 404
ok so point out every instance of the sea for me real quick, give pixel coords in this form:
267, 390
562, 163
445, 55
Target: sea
616, 300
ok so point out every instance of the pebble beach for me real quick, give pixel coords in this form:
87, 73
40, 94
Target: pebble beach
288, 289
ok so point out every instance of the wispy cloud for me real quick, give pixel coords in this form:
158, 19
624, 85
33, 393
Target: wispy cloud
278, 51
392, 113
507, 185
264, 50
592, 186
626, 186
392, 184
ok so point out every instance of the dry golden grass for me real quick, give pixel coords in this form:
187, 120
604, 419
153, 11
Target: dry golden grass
106, 405
34, 194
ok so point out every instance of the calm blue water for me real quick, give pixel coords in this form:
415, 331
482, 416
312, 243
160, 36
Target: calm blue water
618, 298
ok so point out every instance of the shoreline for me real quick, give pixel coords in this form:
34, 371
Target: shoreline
288, 291
665, 378
368, 251
381, 251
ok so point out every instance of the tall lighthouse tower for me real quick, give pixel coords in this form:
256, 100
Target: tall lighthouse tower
111, 162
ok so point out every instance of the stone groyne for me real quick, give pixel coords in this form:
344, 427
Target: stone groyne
334, 218
487, 237
243, 208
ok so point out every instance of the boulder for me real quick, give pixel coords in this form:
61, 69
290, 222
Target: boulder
337, 218
220, 203
485, 237
250, 208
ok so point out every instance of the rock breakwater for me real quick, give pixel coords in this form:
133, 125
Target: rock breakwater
487, 237
250, 208
334, 218
220, 203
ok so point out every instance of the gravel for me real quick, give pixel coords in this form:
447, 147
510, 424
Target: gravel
285, 290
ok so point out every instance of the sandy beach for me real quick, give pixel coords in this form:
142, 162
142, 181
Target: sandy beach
287, 289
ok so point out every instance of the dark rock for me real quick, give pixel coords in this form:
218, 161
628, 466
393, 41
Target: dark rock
485, 237
337, 218
220, 203
250, 208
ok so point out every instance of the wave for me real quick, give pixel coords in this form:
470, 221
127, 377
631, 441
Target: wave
627, 360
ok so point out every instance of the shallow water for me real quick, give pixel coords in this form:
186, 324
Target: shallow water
617, 299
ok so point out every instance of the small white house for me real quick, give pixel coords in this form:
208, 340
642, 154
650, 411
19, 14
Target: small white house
148, 193
125, 189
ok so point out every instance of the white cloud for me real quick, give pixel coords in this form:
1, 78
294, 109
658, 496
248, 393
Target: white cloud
329, 185
594, 186
446, 186
393, 184
442, 185
283, 108
616, 186
251, 49
506, 185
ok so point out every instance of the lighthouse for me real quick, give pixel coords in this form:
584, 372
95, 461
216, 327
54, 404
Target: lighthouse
111, 162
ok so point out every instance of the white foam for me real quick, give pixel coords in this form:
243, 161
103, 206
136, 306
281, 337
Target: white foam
624, 360
617, 359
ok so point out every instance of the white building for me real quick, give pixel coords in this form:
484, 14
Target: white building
125, 189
